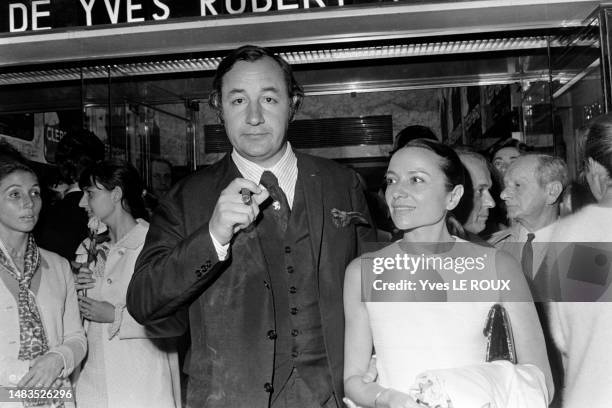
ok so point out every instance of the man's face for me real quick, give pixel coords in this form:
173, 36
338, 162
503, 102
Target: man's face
525, 198
161, 179
256, 110
481, 180
504, 158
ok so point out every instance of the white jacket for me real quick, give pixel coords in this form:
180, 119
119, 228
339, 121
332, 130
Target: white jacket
128, 364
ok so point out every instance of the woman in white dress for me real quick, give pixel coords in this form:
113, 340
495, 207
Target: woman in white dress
443, 340
41, 335
127, 364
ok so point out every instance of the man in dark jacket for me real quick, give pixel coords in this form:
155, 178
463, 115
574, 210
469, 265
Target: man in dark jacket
63, 225
256, 246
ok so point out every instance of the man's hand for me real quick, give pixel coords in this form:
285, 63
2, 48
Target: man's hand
100, 312
231, 214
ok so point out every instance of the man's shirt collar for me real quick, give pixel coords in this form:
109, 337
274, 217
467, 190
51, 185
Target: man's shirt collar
285, 170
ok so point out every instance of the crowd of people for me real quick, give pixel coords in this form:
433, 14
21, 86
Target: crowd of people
263, 258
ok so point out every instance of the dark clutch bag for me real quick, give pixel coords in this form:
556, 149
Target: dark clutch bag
498, 331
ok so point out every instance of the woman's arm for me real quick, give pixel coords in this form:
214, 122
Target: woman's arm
528, 335
358, 349
61, 360
74, 345
124, 326
128, 328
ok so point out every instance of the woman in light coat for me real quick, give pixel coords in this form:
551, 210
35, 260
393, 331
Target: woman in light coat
128, 365
41, 335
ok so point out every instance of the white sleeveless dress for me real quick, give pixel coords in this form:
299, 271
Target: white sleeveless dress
412, 338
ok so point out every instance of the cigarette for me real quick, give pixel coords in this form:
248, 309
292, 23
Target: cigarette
246, 196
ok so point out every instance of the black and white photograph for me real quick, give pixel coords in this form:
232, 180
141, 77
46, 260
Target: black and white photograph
305, 204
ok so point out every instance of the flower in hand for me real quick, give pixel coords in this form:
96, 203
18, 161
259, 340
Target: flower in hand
95, 247
96, 311
98, 234
84, 279
430, 392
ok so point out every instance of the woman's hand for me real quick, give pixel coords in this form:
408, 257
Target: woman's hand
44, 372
100, 312
391, 398
84, 279
388, 398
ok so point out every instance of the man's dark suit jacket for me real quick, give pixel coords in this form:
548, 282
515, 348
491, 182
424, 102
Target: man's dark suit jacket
230, 303
63, 226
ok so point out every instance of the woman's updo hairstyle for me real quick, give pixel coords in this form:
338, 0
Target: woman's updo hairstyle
455, 173
450, 164
118, 173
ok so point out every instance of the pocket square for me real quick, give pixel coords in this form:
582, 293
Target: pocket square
346, 218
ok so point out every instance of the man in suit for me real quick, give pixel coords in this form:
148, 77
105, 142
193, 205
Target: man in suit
63, 225
481, 201
533, 186
261, 269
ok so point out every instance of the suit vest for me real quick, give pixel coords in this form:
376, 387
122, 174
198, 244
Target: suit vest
298, 332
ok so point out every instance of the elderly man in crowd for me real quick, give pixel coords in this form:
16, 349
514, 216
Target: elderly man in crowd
534, 184
532, 192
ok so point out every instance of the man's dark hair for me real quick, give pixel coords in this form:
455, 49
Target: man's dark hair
75, 152
252, 53
162, 160
503, 143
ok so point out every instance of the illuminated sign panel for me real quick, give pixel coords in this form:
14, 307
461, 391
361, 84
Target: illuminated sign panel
17, 16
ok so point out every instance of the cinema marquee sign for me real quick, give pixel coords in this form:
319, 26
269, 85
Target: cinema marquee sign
17, 16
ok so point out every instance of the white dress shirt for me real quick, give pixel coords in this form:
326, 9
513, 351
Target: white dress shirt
285, 170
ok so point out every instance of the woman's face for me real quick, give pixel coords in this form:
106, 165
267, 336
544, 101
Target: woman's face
20, 201
98, 201
417, 194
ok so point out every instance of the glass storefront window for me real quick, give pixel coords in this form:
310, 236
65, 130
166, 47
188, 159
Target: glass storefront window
538, 87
